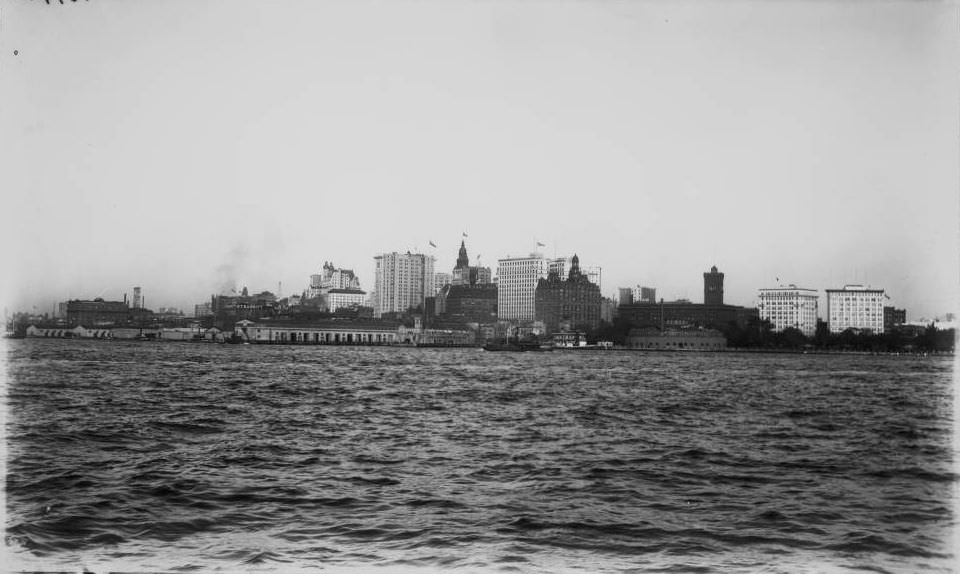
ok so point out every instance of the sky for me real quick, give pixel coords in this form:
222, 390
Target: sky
189, 147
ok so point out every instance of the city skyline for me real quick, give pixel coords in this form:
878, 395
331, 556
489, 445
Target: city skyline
182, 147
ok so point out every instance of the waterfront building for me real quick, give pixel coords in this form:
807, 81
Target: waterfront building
517, 279
713, 287
104, 313
574, 301
893, 318
855, 307
334, 332
655, 339
789, 307
403, 282
683, 313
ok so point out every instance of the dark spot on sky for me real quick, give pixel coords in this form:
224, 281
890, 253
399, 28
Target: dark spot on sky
16, 52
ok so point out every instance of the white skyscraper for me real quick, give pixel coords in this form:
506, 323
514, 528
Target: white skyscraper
788, 307
855, 307
403, 280
517, 286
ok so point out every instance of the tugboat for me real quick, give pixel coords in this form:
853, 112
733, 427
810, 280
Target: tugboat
514, 344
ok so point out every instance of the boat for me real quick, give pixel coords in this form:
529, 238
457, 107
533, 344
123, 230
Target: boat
515, 344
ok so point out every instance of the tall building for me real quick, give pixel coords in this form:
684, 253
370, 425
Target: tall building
625, 295
570, 303
403, 282
465, 274
517, 279
713, 287
561, 266
441, 279
893, 317
331, 277
645, 294
791, 306
137, 298
855, 307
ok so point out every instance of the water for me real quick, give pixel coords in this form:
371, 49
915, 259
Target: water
179, 457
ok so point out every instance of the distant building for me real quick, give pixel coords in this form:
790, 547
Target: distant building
441, 279
465, 274
683, 313
625, 296
678, 314
517, 279
345, 299
100, 313
137, 298
403, 282
608, 309
573, 303
468, 303
202, 310
331, 277
713, 287
228, 309
654, 339
855, 307
787, 307
893, 318
561, 266
647, 295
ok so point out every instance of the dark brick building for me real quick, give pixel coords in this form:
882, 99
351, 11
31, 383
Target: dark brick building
712, 313
713, 287
573, 303
468, 303
893, 317
684, 313
105, 313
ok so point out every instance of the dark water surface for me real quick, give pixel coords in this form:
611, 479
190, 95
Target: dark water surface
154, 456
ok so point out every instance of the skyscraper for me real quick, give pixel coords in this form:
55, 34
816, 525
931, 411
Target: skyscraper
517, 279
403, 282
713, 287
570, 303
855, 307
787, 307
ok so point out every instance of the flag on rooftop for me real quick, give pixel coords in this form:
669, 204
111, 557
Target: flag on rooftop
465, 234
540, 244
432, 244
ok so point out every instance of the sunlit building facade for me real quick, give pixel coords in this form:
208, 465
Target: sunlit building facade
789, 307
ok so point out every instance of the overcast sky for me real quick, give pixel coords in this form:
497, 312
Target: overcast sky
186, 146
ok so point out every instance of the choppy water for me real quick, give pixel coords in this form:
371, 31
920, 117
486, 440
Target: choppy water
153, 456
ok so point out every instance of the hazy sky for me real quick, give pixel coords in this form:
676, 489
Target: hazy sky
183, 146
